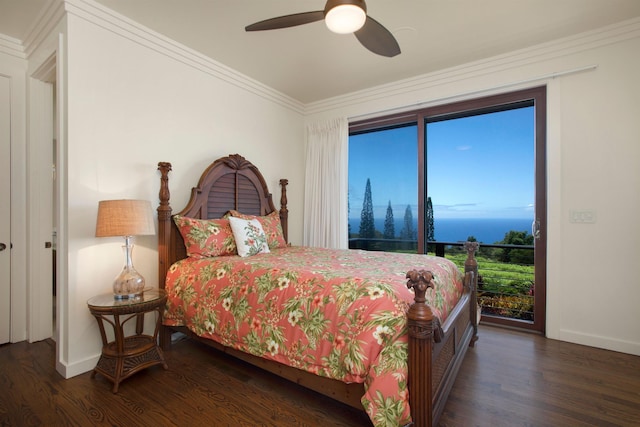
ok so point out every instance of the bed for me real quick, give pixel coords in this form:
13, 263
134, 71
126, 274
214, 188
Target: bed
396, 344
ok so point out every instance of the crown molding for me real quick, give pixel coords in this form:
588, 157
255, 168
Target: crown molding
12, 47
103, 17
615, 33
43, 25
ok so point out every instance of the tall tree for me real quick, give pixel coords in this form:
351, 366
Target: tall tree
407, 232
367, 227
430, 225
348, 215
389, 227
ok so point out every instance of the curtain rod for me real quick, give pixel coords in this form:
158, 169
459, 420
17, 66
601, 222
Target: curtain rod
421, 104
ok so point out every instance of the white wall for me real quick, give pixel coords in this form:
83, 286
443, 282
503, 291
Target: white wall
131, 103
593, 162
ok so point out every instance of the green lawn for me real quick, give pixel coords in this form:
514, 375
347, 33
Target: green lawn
504, 289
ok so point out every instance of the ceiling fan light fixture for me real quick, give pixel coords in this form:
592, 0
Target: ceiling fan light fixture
342, 17
345, 18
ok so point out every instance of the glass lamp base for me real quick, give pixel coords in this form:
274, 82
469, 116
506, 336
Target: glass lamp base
129, 283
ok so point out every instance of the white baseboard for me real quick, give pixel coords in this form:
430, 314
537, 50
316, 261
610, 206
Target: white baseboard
77, 368
599, 341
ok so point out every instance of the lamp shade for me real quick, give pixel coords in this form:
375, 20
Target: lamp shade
124, 218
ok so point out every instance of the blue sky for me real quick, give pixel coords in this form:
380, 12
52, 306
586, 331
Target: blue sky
477, 167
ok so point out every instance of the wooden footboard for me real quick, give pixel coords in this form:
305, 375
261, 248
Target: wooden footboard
435, 351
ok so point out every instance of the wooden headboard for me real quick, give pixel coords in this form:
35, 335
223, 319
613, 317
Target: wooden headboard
230, 182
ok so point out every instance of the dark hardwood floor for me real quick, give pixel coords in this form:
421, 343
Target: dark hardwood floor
509, 379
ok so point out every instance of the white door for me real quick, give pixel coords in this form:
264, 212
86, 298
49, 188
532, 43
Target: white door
5, 209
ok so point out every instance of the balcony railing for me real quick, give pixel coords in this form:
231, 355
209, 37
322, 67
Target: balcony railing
505, 289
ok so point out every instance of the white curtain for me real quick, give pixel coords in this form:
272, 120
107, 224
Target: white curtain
325, 189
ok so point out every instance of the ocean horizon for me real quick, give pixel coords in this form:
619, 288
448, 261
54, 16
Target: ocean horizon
485, 230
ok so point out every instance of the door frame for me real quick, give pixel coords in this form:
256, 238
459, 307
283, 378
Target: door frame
40, 198
538, 95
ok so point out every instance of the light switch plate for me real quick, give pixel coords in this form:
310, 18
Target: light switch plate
582, 216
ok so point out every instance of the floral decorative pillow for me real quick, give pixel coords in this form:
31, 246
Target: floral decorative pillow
249, 235
206, 237
271, 226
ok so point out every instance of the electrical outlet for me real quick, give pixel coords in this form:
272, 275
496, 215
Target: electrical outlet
583, 216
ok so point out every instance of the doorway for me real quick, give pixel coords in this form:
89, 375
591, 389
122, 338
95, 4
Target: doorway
42, 309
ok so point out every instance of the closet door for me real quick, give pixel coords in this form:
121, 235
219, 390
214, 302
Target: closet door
5, 210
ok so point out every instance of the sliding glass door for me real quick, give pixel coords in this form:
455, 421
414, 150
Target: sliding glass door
428, 180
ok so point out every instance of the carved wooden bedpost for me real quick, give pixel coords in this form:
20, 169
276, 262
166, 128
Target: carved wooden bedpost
420, 320
164, 233
164, 221
284, 212
471, 267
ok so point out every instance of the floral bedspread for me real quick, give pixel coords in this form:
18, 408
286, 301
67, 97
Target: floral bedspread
335, 313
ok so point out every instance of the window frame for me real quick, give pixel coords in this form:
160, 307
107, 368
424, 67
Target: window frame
458, 109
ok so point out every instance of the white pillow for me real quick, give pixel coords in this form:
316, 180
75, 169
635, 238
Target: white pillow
249, 236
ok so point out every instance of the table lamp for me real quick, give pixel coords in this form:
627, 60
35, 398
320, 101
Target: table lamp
126, 218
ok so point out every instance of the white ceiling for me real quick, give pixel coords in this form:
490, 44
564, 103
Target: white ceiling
309, 63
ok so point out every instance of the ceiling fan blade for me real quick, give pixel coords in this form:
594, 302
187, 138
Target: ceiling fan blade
286, 21
377, 38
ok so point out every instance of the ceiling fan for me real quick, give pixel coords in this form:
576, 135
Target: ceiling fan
342, 17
